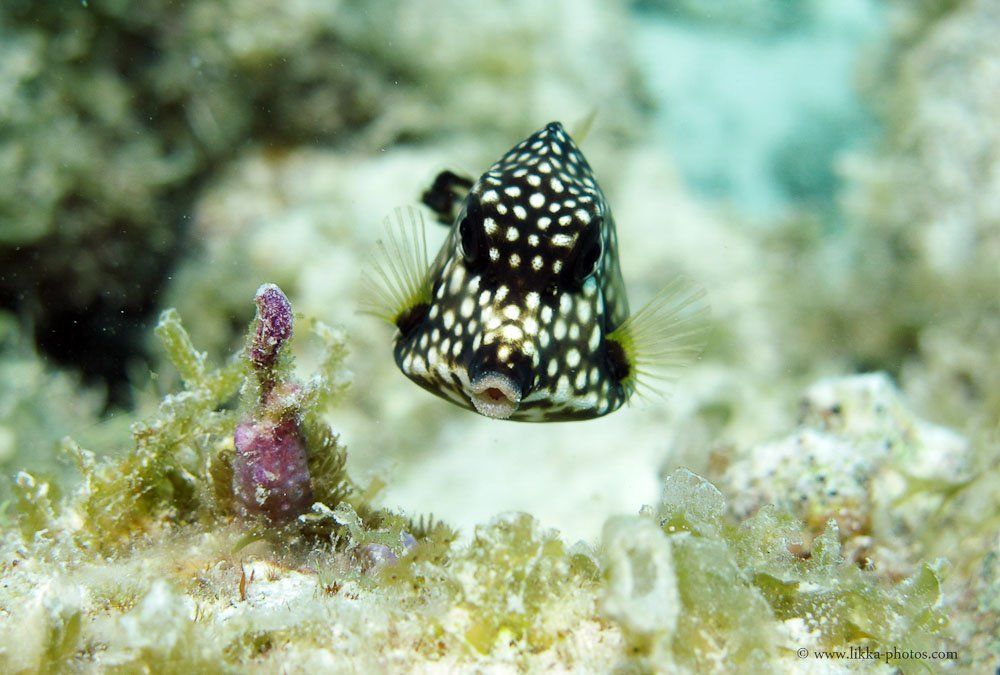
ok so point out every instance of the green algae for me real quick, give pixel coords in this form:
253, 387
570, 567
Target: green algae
740, 586
178, 468
682, 585
512, 578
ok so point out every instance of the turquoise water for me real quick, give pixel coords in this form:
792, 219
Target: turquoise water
757, 105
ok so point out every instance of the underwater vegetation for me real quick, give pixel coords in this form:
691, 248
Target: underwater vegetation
197, 456
228, 536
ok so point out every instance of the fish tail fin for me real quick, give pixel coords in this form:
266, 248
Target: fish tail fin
582, 127
396, 282
661, 338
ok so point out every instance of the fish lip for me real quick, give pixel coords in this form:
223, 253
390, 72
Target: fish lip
483, 393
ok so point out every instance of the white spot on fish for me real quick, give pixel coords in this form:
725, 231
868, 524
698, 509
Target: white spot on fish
455, 283
511, 333
573, 358
565, 303
595, 338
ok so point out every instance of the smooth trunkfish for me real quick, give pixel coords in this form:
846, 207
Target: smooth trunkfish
523, 313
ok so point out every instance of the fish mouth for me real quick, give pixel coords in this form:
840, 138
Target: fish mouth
494, 395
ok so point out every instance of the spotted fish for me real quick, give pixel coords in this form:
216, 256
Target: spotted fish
523, 314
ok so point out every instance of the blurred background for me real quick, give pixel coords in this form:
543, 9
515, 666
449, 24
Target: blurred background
828, 169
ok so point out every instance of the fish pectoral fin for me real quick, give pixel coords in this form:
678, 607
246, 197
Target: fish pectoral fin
445, 195
664, 336
396, 283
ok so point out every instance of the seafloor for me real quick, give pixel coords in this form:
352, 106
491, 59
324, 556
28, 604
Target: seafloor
819, 493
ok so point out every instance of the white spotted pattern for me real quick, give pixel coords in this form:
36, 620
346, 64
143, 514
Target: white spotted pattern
515, 305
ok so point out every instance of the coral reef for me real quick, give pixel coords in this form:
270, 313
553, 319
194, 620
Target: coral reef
690, 589
180, 153
857, 458
144, 565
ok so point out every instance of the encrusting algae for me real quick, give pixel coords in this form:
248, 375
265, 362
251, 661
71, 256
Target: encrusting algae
150, 565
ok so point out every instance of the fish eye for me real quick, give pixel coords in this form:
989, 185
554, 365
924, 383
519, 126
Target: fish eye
471, 238
588, 253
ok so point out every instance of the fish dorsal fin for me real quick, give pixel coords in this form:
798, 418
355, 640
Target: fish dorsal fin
582, 127
396, 283
667, 334
446, 193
